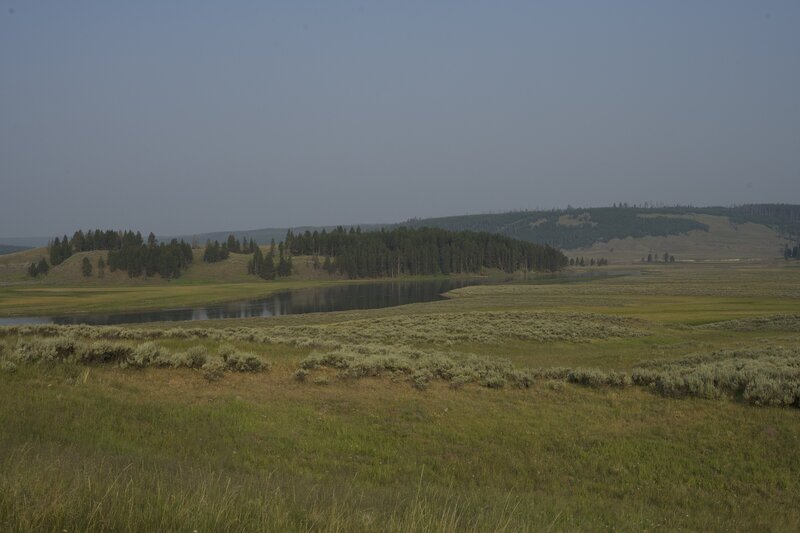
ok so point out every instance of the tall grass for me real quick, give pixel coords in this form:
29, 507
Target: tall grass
41, 492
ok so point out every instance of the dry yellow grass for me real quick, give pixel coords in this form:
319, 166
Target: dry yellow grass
723, 240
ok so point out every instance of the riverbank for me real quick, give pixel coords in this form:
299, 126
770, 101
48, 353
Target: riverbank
492, 409
17, 301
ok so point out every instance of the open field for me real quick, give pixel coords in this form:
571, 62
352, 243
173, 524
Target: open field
723, 240
666, 400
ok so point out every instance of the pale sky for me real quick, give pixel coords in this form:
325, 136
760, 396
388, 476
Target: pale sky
185, 117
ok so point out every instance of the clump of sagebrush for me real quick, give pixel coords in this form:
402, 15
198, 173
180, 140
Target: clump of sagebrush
421, 367
763, 376
780, 322
767, 376
447, 329
241, 361
103, 352
147, 354
194, 357
68, 349
213, 369
44, 350
443, 329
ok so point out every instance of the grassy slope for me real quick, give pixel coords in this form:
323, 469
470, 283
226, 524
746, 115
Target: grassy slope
66, 290
13, 267
732, 233
104, 448
723, 240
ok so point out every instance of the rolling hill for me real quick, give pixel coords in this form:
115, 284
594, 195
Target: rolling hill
621, 234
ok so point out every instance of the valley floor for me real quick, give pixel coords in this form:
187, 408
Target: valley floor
666, 400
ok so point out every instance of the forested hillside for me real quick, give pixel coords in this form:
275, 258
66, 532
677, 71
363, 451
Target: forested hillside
389, 253
577, 228
574, 228
127, 251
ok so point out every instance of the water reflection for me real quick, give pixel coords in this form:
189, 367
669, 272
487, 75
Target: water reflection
337, 298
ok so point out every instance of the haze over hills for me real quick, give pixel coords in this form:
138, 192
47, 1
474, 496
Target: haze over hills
10, 249
619, 233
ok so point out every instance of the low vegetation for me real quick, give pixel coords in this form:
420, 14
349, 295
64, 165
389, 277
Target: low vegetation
388, 347
666, 400
781, 322
71, 350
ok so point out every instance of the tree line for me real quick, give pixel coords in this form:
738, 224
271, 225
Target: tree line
215, 251
150, 258
580, 261
126, 251
265, 267
422, 251
653, 258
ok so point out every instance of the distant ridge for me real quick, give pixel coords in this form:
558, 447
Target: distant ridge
25, 242
623, 232
570, 228
10, 249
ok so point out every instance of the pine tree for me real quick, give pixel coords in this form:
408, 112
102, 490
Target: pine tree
86, 267
101, 268
256, 263
268, 267
42, 268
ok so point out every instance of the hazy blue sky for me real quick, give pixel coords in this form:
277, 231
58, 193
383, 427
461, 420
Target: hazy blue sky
183, 117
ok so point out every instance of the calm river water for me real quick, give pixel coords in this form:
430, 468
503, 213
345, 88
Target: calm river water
337, 298
322, 299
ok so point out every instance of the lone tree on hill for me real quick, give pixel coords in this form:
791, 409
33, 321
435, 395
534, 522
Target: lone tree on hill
43, 267
86, 267
40, 268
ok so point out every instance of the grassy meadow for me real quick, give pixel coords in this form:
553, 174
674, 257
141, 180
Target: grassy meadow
665, 400
65, 290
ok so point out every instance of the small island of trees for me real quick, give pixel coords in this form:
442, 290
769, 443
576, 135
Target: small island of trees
126, 251
423, 251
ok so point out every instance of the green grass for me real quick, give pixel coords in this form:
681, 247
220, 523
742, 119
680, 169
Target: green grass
164, 450
98, 447
43, 300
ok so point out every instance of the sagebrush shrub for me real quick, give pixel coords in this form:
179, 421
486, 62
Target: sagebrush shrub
146, 354
213, 369
194, 357
242, 361
102, 352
